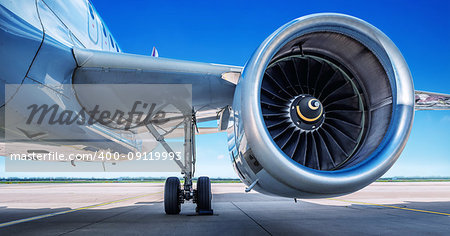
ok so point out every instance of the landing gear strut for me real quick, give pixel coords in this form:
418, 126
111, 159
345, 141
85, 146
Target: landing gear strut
174, 194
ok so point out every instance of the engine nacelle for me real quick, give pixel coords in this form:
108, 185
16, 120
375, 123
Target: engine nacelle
324, 107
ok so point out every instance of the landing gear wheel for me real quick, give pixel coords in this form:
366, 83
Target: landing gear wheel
172, 204
204, 196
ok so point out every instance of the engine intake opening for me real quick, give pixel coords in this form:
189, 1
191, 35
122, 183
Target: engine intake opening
313, 111
338, 74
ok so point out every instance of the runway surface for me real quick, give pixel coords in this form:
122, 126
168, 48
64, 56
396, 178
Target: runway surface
137, 209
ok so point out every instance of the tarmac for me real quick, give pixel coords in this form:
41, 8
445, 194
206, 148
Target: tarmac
419, 208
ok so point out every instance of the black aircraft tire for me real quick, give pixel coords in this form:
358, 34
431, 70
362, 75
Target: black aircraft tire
172, 204
204, 195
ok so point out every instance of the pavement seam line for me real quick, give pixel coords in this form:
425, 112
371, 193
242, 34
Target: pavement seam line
262, 227
14, 222
389, 206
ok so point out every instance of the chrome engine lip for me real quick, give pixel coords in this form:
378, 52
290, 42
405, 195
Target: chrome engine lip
347, 180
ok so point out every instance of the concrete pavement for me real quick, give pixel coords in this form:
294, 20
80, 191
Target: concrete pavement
137, 209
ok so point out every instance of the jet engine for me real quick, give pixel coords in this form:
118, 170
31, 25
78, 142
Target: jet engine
323, 108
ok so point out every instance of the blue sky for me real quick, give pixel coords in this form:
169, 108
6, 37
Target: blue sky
228, 32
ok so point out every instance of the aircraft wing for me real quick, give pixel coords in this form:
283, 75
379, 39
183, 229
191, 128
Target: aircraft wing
432, 101
213, 85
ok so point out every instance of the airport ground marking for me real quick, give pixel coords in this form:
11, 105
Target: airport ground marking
389, 206
14, 222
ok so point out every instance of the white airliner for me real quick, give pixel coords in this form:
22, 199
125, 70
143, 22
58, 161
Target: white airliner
322, 108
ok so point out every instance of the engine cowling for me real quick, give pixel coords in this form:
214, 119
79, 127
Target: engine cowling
324, 107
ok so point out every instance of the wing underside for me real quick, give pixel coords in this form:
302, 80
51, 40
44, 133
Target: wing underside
212, 85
